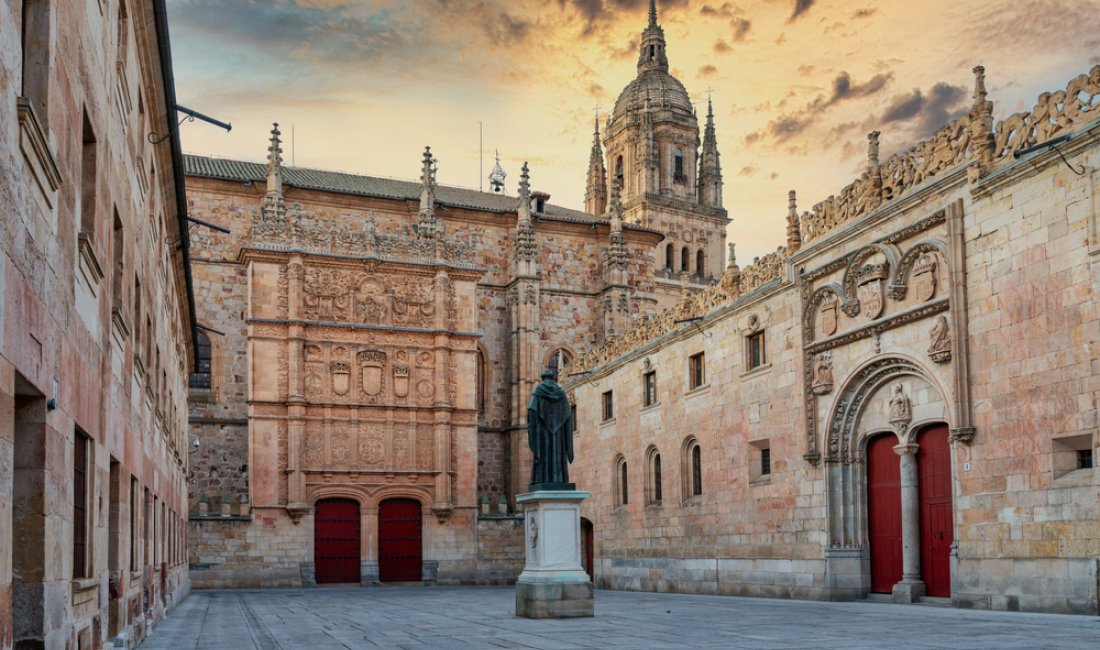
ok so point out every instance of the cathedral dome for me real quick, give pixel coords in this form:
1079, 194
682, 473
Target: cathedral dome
662, 90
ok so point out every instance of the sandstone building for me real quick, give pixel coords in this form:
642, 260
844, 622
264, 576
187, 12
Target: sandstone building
95, 325
901, 400
366, 396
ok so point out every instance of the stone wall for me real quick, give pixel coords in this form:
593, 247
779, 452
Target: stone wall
95, 336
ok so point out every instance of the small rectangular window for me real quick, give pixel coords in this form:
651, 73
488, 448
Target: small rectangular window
697, 369
765, 462
608, 406
650, 387
80, 505
755, 350
1084, 459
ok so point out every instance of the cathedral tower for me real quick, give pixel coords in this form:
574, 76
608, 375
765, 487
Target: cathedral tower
666, 180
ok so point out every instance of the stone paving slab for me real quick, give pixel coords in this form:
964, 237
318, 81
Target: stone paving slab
421, 618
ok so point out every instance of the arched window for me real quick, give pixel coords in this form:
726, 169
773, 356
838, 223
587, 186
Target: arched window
558, 360
670, 257
619, 172
653, 477
201, 377
691, 469
621, 487
652, 52
700, 263
678, 165
482, 389
685, 259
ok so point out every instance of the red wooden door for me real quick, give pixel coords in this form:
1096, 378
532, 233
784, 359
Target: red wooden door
586, 546
884, 512
336, 541
399, 541
936, 522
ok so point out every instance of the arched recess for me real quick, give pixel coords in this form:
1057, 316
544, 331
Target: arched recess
619, 480
400, 540
685, 259
691, 469
825, 293
484, 379
862, 409
899, 280
654, 493
337, 540
558, 359
670, 257
700, 263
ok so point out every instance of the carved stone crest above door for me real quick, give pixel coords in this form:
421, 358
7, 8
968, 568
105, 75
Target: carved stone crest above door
870, 279
924, 278
341, 377
829, 317
371, 363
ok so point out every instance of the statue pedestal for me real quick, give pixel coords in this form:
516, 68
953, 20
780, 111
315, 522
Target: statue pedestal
553, 583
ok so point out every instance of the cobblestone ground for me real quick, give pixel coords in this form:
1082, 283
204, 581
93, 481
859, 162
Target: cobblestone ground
483, 617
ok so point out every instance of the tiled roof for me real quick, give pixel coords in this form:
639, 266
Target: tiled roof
374, 186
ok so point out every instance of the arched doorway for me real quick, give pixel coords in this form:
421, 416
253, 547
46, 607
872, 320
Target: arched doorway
399, 541
884, 512
937, 526
587, 539
336, 541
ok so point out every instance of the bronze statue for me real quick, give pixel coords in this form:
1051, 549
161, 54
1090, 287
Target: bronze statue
550, 436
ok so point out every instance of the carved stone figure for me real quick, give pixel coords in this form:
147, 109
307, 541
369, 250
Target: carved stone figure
822, 383
550, 436
901, 411
939, 348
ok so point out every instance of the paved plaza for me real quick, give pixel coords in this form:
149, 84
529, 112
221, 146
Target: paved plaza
483, 617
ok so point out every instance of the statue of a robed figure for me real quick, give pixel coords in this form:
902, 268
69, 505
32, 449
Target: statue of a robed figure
550, 436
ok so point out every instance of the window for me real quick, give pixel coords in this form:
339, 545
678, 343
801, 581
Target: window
754, 350
619, 171
608, 406
653, 477
481, 387
135, 509
678, 166
697, 370
700, 263
649, 386
201, 377
696, 470
89, 180
760, 464
670, 257
621, 486
1084, 459
685, 259
558, 360
1072, 453
117, 247
573, 416
81, 458
36, 57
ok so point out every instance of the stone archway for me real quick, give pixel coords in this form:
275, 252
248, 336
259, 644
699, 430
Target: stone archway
888, 394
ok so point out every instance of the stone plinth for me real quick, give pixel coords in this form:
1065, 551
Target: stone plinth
553, 583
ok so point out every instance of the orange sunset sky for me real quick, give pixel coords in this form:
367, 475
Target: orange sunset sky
796, 84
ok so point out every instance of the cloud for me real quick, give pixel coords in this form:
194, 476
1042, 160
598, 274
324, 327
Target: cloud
721, 46
708, 70
800, 7
747, 171
844, 89
725, 10
795, 123
741, 29
865, 13
926, 112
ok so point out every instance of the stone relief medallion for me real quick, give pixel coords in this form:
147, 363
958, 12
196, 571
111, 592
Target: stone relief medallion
424, 390
341, 377
425, 359
400, 380
870, 299
314, 385
313, 353
339, 352
371, 450
828, 318
370, 302
371, 363
924, 278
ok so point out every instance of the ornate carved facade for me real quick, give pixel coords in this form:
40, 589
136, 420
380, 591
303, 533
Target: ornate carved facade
889, 402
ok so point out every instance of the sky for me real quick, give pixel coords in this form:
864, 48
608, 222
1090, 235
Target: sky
364, 85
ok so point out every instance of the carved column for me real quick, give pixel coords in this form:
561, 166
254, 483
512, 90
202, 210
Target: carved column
911, 587
296, 409
963, 429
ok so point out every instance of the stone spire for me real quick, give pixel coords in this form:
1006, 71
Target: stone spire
274, 203
429, 226
496, 177
794, 235
710, 168
651, 55
526, 248
872, 185
981, 123
595, 195
616, 241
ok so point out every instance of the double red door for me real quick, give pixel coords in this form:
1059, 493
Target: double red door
336, 541
399, 541
936, 527
884, 512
